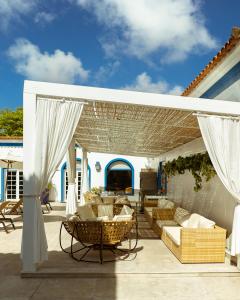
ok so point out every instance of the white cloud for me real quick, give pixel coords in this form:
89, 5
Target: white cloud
44, 17
144, 83
142, 27
58, 67
13, 10
106, 71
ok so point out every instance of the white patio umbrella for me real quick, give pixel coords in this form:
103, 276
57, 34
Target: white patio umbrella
11, 158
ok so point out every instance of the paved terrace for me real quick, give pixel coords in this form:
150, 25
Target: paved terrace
154, 273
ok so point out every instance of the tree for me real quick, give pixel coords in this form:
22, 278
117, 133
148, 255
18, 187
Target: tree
11, 122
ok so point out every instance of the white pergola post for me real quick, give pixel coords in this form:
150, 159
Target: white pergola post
29, 198
71, 205
84, 175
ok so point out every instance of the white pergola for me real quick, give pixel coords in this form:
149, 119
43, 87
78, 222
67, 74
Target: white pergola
111, 121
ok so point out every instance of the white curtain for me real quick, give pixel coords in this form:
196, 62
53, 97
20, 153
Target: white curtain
71, 205
84, 176
222, 139
56, 122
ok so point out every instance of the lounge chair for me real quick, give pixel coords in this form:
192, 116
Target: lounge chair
100, 235
3, 219
14, 207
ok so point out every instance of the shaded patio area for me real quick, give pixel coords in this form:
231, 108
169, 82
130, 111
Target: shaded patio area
152, 257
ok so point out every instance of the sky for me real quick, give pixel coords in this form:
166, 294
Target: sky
144, 45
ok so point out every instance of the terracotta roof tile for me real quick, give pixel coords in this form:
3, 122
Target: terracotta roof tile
227, 48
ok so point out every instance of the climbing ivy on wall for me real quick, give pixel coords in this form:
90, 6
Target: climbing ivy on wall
199, 165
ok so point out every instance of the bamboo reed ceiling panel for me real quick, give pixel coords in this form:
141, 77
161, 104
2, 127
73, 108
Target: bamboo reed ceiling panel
134, 129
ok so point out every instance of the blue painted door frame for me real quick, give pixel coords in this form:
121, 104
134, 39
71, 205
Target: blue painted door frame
123, 160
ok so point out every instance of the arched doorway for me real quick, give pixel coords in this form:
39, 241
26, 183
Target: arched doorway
64, 180
119, 176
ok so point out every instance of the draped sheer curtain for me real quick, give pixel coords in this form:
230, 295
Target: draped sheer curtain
71, 205
84, 176
56, 122
221, 136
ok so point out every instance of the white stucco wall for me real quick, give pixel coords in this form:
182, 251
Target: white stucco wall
97, 178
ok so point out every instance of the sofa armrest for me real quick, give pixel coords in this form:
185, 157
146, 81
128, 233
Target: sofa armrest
163, 213
203, 244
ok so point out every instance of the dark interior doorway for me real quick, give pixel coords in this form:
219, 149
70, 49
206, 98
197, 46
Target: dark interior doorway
119, 181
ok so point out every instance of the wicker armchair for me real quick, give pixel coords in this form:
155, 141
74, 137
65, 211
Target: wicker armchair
99, 235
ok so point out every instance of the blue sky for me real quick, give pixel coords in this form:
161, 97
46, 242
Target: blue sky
155, 45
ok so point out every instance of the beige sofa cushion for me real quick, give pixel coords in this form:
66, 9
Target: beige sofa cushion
161, 223
126, 210
174, 233
163, 203
105, 210
103, 218
193, 221
85, 212
180, 215
198, 221
122, 218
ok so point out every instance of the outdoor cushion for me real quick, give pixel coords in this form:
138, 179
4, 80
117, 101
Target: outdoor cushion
174, 233
163, 203
122, 218
205, 223
85, 212
161, 223
97, 199
105, 210
180, 213
103, 218
184, 221
126, 210
193, 221
108, 200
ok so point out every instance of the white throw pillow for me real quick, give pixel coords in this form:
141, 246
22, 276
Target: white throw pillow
205, 223
193, 221
163, 203
180, 213
85, 212
126, 210
122, 218
184, 221
105, 210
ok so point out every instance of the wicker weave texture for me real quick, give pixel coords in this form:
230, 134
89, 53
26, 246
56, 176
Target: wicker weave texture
199, 245
91, 232
163, 213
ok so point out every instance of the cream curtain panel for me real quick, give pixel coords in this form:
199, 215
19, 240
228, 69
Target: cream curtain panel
56, 122
84, 176
71, 205
221, 136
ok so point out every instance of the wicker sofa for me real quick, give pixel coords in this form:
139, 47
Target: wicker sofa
161, 206
191, 237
